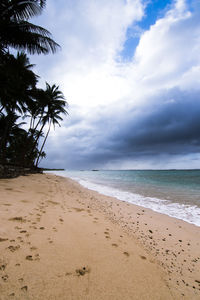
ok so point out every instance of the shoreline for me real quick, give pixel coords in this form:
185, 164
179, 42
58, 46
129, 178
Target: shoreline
119, 244
187, 212
140, 205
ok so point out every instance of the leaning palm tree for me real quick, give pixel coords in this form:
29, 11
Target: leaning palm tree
18, 33
55, 107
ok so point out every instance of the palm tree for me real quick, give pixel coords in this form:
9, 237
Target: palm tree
36, 107
17, 80
55, 106
18, 33
18, 91
19, 147
8, 126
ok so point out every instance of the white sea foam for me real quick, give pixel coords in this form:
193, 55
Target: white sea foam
188, 213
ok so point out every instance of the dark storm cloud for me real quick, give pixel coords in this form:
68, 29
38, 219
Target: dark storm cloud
169, 124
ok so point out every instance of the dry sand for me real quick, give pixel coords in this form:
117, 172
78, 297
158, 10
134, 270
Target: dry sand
61, 241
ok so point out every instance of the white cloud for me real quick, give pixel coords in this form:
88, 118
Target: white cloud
92, 33
169, 51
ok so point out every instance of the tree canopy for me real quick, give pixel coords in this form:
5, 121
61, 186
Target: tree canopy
27, 112
17, 32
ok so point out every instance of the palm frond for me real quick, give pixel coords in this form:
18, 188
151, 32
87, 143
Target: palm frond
26, 36
21, 9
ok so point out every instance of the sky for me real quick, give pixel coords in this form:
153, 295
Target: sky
130, 71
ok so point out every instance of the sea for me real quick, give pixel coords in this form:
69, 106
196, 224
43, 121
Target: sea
175, 193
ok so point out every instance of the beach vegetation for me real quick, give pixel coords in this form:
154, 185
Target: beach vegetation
55, 106
27, 112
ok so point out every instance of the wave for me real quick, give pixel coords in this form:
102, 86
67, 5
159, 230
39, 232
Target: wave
188, 213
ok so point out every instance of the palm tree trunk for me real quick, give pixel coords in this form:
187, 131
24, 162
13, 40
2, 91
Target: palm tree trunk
39, 134
30, 126
37, 123
4, 140
43, 145
3, 144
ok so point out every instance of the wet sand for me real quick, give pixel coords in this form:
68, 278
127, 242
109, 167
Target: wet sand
59, 240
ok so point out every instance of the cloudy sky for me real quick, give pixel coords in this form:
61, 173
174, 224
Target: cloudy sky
130, 71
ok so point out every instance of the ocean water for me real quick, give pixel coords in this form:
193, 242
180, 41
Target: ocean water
172, 192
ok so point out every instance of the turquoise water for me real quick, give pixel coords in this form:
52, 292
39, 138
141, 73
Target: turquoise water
172, 192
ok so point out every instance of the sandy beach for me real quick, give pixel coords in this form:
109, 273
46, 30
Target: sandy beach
59, 240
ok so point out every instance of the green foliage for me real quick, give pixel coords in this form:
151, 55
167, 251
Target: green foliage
20, 99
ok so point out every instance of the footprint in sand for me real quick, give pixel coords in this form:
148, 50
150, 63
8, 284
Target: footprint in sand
13, 248
24, 288
2, 267
29, 257
78, 209
11, 295
18, 219
5, 277
53, 202
3, 239
33, 248
82, 271
114, 245
126, 253
107, 236
143, 257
